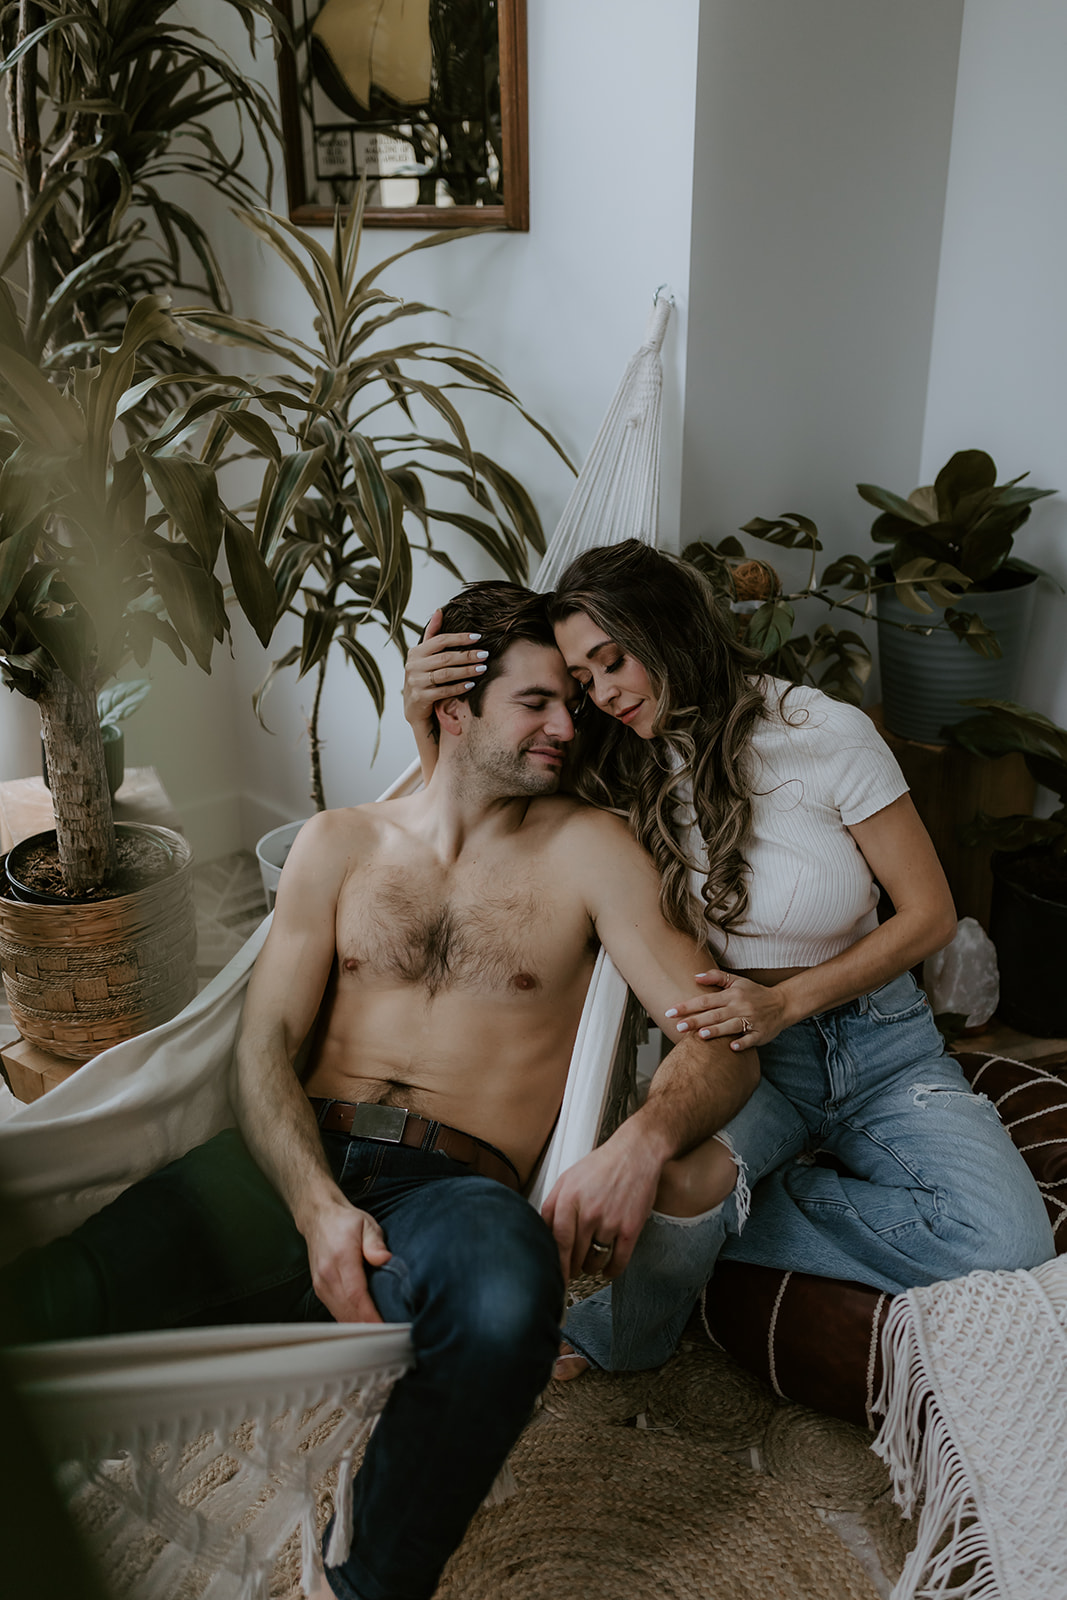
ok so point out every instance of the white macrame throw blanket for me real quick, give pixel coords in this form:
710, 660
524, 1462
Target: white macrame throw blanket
975, 1405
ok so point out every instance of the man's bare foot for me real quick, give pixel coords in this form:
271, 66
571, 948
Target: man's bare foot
569, 1364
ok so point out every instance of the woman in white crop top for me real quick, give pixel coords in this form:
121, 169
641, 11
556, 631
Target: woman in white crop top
782, 811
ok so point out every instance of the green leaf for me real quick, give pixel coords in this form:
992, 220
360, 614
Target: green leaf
189, 494
120, 700
289, 659
790, 529
770, 627
318, 635
367, 667
885, 500
963, 474
193, 599
851, 572
35, 408
16, 555
968, 626
282, 491
251, 578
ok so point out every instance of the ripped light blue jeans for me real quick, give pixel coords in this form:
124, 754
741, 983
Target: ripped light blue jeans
925, 1182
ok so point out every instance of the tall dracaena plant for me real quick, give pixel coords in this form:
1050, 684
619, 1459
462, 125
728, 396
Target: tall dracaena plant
109, 102
107, 545
339, 521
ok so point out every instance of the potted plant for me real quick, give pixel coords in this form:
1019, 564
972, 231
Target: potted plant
109, 546
378, 424
950, 550
111, 528
1028, 919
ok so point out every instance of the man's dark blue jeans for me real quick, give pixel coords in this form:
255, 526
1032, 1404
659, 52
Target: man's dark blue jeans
474, 1269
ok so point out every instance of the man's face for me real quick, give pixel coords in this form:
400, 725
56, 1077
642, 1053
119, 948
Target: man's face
519, 742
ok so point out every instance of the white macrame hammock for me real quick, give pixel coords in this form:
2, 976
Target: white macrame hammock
282, 1402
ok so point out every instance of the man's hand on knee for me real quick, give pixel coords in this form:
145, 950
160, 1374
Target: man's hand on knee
603, 1200
343, 1242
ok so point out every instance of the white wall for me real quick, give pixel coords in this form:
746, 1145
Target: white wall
822, 150
997, 378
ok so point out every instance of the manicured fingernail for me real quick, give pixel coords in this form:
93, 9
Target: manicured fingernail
468, 686
479, 669
673, 1012
481, 655
474, 636
705, 1033
703, 974
683, 1027
735, 1045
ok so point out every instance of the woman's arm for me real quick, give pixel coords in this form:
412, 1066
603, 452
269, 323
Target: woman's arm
900, 854
443, 664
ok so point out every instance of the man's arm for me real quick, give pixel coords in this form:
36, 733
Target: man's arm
698, 1087
284, 995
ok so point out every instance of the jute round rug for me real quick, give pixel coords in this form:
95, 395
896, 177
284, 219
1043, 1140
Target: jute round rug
607, 1512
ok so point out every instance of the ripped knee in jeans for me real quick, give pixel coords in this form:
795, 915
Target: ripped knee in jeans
697, 1182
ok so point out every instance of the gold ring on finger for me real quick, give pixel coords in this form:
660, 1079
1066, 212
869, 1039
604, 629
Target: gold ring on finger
746, 1026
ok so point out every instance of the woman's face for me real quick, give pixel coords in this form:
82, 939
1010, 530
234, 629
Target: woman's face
618, 684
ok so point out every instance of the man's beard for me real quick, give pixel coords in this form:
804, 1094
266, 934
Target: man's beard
506, 771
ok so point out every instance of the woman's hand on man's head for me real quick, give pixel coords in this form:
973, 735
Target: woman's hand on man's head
440, 666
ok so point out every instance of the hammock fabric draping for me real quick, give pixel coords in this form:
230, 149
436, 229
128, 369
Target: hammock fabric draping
143, 1103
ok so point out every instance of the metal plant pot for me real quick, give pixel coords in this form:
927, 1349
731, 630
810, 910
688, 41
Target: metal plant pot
925, 679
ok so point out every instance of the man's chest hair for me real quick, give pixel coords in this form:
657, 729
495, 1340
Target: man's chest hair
489, 931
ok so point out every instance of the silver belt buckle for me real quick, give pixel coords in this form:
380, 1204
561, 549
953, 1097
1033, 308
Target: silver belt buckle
385, 1123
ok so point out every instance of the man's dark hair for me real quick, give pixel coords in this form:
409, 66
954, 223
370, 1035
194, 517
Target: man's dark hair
503, 613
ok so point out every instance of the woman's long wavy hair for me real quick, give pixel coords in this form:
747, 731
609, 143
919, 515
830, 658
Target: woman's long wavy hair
664, 614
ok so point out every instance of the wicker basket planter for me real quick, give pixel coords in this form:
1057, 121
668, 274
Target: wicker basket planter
80, 978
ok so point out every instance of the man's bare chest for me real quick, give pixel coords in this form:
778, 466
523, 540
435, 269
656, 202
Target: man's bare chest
491, 930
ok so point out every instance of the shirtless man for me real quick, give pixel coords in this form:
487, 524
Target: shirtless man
435, 950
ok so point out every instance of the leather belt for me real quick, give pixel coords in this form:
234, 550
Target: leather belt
364, 1119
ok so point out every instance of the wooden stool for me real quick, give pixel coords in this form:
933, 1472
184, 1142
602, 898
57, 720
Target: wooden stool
31, 1072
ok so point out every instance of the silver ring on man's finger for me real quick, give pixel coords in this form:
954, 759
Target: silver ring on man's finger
746, 1026
598, 1249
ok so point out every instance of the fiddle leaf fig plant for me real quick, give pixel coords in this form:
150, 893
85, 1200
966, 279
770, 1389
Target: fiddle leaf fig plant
375, 431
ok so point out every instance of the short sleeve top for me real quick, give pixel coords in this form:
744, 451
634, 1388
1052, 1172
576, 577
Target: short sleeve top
816, 767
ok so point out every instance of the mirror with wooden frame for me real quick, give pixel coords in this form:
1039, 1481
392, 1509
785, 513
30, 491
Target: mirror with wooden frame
427, 98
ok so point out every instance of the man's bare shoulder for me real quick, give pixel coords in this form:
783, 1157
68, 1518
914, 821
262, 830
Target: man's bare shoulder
586, 835
333, 841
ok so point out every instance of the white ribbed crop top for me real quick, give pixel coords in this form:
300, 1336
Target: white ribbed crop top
817, 766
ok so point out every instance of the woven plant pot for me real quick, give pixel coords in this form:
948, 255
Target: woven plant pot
80, 978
